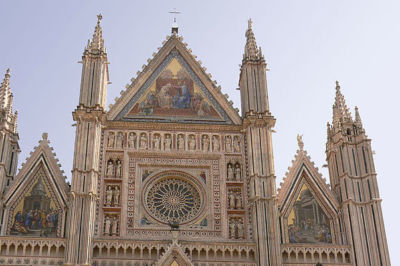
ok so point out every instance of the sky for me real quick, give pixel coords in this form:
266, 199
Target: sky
308, 45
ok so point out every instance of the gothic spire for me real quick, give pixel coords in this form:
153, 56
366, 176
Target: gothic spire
6, 97
96, 44
251, 51
357, 119
341, 113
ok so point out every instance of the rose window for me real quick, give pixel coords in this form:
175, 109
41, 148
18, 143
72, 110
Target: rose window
173, 200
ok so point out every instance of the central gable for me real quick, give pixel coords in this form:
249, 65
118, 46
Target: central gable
174, 87
174, 93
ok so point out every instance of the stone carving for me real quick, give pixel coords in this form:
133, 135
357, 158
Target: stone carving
111, 138
205, 143
132, 140
115, 196
120, 140
215, 143
107, 226
110, 168
231, 200
167, 142
238, 172
240, 230
232, 230
236, 144
118, 172
181, 143
143, 141
109, 196
156, 142
114, 226
230, 173
192, 143
238, 201
228, 144
236, 228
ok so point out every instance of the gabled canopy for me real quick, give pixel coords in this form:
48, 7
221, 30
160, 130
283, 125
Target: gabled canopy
40, 178
174, 256
302, 172
174, 87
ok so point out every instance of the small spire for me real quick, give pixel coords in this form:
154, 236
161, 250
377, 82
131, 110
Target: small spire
341, 113
97, 42
300, 141
6, 96
251, 51
357, 119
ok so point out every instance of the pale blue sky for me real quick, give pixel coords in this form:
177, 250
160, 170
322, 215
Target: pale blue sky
307, 44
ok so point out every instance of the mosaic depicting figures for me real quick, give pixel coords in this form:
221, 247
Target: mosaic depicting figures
174, 93
36, 214
307, 222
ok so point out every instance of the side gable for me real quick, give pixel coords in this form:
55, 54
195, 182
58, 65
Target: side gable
39, 193
174, 87
306, 204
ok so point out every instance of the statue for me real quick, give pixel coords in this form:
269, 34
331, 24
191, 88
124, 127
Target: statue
181, 143
156, 142
143, 141
192, 143
236, 144
228, 144
230, 173
205, 143
110, 168
238, 173
232, 230
231, 201
300, 141
115, 195
215, 143
240, 230
109, 194
114, 226
132, 140
120, 140
167, 142
238, 202
110, 140
119, 169
107, 226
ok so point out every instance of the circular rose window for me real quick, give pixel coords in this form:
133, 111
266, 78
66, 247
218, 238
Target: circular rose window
173, 200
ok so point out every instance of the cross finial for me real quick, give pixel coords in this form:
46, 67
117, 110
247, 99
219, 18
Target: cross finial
250, 23
174, 24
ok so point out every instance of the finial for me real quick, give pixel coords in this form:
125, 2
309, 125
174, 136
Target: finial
249, 23
337, 84
45, 135
300, 141
99, 18
174, 29
8, 71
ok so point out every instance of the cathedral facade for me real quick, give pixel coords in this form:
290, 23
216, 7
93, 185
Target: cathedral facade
172, 174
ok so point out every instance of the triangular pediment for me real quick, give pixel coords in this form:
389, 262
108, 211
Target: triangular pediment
308, 208
174, 256
173, 87
36, 202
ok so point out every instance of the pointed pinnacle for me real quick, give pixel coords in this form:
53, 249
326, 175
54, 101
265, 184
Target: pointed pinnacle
97, 41
357, 117
251, 52
340, 111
